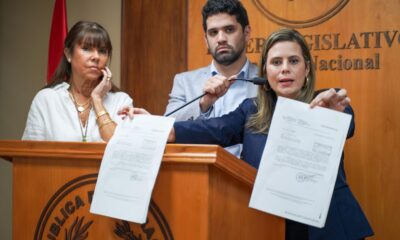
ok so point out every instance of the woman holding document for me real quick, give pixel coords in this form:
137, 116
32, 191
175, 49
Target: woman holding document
287, 65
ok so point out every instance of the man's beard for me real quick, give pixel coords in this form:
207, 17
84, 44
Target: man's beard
227, 58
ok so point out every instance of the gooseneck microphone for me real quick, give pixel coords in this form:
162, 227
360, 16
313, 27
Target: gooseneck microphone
256, 80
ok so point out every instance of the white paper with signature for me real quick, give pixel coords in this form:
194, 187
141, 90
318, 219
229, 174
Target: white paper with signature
129, 168
300, 161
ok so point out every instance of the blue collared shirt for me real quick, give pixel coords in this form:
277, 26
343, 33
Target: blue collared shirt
231, 100
235, 95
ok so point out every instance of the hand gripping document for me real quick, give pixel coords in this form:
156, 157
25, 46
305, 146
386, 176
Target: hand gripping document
300, 162
129, 168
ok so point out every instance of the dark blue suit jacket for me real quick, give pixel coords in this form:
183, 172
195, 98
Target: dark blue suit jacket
345, 218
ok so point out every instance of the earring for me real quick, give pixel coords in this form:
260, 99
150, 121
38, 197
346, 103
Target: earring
306, 82
69, 60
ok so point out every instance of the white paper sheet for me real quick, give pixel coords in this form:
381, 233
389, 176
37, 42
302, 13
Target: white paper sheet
300, 162
129, 168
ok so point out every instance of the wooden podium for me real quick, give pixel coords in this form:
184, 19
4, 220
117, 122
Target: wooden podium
201, 192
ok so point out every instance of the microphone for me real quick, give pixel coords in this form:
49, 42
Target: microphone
256, 80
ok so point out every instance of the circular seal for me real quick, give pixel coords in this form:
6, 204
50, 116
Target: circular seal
299, 13
66, 216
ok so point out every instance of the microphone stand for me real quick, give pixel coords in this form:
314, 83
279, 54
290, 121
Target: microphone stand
258, 81
184, 105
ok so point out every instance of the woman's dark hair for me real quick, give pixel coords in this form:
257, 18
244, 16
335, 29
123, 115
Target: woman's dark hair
89, 34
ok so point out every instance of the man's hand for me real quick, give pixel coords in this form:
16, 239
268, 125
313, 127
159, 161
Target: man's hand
215, 88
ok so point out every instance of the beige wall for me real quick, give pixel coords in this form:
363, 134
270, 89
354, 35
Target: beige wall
24, 34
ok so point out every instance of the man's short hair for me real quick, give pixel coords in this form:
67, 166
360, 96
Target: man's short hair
231, 7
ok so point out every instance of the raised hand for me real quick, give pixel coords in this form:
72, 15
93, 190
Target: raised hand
336, 100
104, 86
215, 87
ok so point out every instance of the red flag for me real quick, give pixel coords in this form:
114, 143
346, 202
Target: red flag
58, 33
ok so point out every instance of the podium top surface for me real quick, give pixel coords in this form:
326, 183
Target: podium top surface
174, 153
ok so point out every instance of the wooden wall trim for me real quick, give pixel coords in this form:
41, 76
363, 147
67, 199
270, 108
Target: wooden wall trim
154, 49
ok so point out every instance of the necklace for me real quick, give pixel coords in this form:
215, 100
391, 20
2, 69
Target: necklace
84, 139
80, 109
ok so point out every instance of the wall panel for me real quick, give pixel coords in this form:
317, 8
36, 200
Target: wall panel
153, 50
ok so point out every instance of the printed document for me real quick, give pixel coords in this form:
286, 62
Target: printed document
300, 162
129, 168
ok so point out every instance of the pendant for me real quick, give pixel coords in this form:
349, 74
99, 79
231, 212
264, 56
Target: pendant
80, 109
84, 139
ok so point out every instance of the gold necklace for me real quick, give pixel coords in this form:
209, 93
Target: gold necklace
79, 107
84, 133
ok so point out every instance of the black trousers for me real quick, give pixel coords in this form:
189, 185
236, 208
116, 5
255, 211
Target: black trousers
295, 231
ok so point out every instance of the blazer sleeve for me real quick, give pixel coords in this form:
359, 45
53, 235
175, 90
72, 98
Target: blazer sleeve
352, 128
180, 95
225, 131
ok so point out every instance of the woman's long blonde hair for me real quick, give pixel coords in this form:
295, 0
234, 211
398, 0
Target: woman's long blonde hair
260, 121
